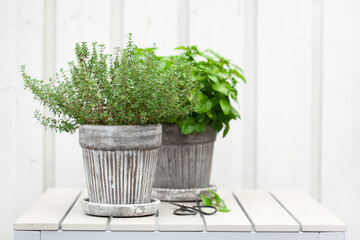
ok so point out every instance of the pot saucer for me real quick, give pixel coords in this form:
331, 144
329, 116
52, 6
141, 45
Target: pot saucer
121, 210
180, 194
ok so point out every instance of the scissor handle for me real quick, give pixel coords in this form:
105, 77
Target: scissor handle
184, 211
198, 209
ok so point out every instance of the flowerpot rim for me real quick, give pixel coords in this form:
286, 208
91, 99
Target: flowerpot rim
173, 136
120, 137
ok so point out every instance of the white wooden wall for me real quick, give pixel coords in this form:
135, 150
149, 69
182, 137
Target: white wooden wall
300, 108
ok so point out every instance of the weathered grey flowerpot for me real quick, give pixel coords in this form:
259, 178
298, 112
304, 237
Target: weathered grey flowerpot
120, 162
184, 160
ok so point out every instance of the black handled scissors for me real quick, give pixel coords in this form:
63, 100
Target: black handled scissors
186, 210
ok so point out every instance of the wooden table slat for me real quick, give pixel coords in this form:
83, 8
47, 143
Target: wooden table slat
170, 222
265, 213
141, 224
48, 211
311, 215
78, 220
235, 220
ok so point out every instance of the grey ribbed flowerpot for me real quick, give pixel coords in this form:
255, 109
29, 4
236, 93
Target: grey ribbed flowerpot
120, 162
184, 160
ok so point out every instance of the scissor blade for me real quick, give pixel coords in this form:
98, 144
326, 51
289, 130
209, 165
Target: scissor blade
176, 204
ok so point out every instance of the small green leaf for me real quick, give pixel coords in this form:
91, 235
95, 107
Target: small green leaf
221, 87
226, 130
234, 112
206, 201
187, 126
162, 65
214, 79
237, 67
225, 106
181, 48
233, 95
214, 53
200, 118
200, 127
223, 209
204, 106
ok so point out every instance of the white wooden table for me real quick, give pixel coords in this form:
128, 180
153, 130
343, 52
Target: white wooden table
255, 215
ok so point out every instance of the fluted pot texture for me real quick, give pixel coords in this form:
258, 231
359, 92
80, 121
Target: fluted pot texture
120, 162
184, 160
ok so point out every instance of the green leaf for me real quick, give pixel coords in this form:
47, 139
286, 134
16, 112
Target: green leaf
214, 79
223, 209
204, 106
226, 130
213, 53
200, 127
237, 67
200, 118
181, 48
225, 106
235, 112
233, 95
162, 65
187, 126
217, 125
206, 201
221, 87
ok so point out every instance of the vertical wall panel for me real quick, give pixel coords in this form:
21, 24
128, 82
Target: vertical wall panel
218, 26
77, 21
249, 118
20, 136
152, 22
341, 116
284, 94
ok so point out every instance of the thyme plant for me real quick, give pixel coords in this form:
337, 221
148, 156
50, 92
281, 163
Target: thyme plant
126, 88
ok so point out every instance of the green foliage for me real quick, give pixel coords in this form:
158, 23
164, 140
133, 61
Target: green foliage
219, 202
218, 78
127, 88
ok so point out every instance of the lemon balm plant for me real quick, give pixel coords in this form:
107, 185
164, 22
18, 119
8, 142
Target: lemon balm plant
218, 102
186, 153
117, 102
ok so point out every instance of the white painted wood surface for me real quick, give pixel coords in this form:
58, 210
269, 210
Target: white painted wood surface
265, 213
77, 21
78, 220
284, 94
207, 30
139, 224
273, 223
340, 180
170, 222
48, 211
310, 214
152, 28
250, 98
21, 138
235, 220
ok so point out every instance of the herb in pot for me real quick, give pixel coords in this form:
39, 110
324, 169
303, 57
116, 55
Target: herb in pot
218, 78
126, 88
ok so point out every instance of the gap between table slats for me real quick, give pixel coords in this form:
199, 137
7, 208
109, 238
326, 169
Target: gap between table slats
311, 215
265, 213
